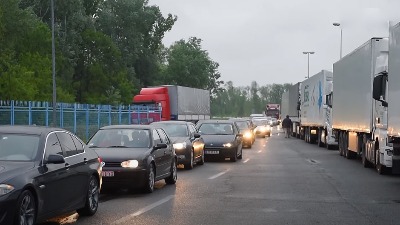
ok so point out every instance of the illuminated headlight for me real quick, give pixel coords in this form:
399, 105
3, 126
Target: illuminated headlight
247, 135
227, 145
130, 164
180, 145
5, 189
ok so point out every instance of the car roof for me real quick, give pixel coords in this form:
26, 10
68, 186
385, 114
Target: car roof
172, 122
26, 129
133, 126
215, 121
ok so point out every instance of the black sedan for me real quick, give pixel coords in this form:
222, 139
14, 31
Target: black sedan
188, 144
45, 172
221, 139
135, 156
247, 130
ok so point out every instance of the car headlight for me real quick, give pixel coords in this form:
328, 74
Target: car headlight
5, 189
227, 145
263, 129
180, 145
247, 135
130, 164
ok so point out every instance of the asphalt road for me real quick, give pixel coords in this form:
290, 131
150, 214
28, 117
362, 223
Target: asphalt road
278, 181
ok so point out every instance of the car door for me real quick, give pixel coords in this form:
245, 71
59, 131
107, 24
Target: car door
75, 164
196, 142
54, 180
168, 152
158, 155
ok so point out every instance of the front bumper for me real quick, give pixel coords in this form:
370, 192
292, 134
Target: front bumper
125, 177
183, 155
8, 204
220, 152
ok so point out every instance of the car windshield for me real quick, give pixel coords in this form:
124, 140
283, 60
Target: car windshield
121, 138
216, 129
175, 130
18, 147
242, 125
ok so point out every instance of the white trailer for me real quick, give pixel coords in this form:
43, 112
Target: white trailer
290, 106
359, 113
393, 96
316, 116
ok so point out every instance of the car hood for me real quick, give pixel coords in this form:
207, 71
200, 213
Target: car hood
217, 140
178, 139
121, 154
9, 170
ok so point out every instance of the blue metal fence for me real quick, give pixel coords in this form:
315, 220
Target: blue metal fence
81, 119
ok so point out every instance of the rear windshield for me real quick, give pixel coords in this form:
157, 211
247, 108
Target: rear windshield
18, 147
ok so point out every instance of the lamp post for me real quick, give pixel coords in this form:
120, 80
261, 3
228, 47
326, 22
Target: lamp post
308, 62
53, 56
341, 37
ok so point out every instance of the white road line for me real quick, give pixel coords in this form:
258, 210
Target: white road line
245, 161
143, 210
217, 175
259, 151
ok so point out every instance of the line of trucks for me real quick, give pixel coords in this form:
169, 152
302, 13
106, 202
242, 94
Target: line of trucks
355, 109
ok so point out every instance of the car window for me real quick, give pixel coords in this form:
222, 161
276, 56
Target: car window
163, 136
67, 144
53, 146
156, 137
78, 144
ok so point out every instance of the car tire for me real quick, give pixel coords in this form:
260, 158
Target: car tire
234, 158
189, 165
174, 175
241, 154
92, 198
26, 209
150, 179
201, 162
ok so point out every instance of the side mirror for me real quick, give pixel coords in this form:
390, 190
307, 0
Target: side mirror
160, 146
55, 159
196, 135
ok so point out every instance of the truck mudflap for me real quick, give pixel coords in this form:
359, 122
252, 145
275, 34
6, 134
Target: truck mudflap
396, 158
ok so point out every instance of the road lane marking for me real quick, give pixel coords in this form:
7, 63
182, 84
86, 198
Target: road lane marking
217, 175
143, 210
245, 161
259, 151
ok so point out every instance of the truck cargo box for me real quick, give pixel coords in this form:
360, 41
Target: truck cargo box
352, 87
394, 82
289, 104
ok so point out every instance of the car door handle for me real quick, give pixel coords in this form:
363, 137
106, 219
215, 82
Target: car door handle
67, 166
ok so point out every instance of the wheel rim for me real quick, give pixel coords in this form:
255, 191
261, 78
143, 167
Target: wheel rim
27, 211
151, 177
93, 194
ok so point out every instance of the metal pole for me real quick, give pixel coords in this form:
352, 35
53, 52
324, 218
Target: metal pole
308, 63
53, 55
341, 41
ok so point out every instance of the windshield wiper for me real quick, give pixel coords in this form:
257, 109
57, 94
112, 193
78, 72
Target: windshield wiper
116, 146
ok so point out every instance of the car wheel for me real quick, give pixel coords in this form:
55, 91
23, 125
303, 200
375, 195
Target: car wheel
234, 158
26, 209
241, 153
190, 164
201, 159
92, 198
149, 186
174, 175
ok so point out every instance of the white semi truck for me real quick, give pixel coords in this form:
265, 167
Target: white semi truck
290, 106
393, 96
316, 110
360, 112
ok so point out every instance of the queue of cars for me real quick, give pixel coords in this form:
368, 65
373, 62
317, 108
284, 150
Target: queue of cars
39, 164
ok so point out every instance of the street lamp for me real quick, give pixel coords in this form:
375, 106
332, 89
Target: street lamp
53, 56
341, 37
308, 62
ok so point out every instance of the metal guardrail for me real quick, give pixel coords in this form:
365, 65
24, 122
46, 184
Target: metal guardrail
81, 119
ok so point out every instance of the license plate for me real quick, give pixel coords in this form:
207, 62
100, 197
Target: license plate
212, 152
107, 173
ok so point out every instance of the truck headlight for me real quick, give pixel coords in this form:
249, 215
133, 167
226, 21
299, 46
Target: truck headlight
227, 145
130, 164
5, 189
180, 145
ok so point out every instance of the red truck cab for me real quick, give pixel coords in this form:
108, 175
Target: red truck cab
147, 105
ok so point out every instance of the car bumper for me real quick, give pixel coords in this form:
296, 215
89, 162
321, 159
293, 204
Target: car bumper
220, 152
7, 207
124, 178
183, 155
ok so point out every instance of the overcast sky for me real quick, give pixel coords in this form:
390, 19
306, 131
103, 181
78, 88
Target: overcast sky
264, 40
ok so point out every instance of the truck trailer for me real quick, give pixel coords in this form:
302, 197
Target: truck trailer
359, 112
316, 111
175, 103
393, 95
290, 106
